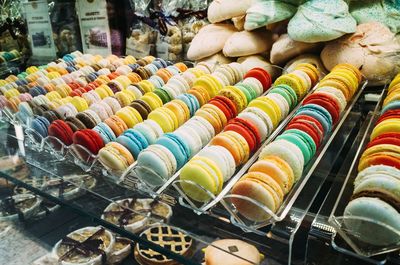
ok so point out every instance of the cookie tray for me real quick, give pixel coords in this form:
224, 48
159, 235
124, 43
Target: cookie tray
221, 205
343, 225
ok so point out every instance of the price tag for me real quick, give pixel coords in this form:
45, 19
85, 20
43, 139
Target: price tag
93, 22
40, 31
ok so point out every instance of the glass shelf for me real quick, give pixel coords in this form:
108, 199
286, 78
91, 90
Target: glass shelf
280, 243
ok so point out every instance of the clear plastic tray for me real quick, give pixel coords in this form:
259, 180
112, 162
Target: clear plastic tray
351, 228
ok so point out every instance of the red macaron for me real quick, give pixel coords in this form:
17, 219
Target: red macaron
89, 139
226, 105
386, 138
325, 101
90, 86
309, 125
390, 114
247, 130
262, 75
61, 130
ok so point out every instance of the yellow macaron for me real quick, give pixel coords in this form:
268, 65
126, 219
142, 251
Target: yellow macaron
79, 103
152, 100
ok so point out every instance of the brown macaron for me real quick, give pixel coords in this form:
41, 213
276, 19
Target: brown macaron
75, 124
142, 107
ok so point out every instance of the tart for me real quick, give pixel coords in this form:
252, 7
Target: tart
22, 206
135, 215
85, 246
166, 237
121, 250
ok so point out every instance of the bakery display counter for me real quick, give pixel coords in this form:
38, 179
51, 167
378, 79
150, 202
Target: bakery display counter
98, 195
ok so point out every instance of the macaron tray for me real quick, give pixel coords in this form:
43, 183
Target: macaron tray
364, 220
290, 97
222, 206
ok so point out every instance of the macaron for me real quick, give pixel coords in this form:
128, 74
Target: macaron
319, 113
89, 118
117, 125
302, 140
327, 102
235, 143
205, 174
278, 169
222, 158
269, 107
165, 118
115, 156
152, 100
89, 139
150, 129
62, 131
75, 124
213, 115
40, 125
386, 138
180, 109
287, 151
246, 129
79, 103
178, 147
105, 132
386, 126
261, 75
190, 101
225, 105
309, 125
155, 165
261, 188
134, 141
130, 116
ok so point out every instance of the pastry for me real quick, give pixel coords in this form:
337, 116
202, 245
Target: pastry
105, 132
89, 139
253, 61
231, 251
177, 146
62, 131
166, 237
377, 212
210, 40
150, 130
319, 20
89, 245
385, 12
371, 49
40, 125
264, 13
120, 251
115, 156
134, 141
23, 206
135, 215
221, 10
156, 164
285, 49
246, 43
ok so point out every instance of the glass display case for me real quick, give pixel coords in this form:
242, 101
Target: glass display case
298, 235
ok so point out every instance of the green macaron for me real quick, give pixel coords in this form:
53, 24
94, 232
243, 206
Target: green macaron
302, 140
287, 92
250, 91
163, 95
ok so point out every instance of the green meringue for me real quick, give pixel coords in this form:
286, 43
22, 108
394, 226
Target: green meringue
320, 20
262, 13
384, 11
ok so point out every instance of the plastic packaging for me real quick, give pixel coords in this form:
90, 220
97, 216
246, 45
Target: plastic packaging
142, 35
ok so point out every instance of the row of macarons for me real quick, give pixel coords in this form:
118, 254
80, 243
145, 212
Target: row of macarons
167, 119
123, 145
209, 114
158, 162
281, 163
243, 135
71, 106
102, 84
119, 112
376, 191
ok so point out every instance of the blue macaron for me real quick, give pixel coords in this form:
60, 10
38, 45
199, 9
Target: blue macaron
134, 141
162, 61
319, 113
40, 125
105, 132
191, 101
178, 147
157, 81
134, 66
24, 112
391, 106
